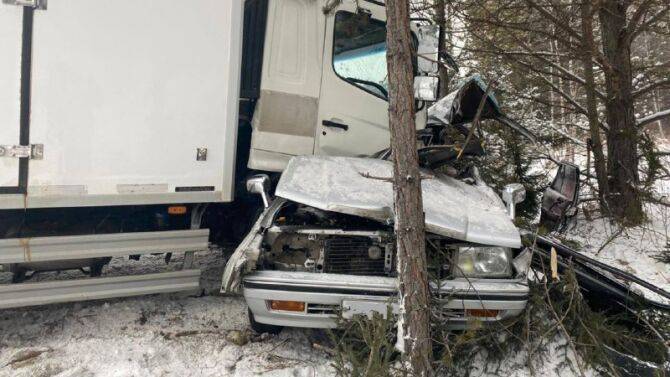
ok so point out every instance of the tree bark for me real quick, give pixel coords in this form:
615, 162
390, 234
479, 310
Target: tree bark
441, 20
622, 137
599, 162
414, 326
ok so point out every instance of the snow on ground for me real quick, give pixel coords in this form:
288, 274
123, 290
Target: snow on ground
160, 335
632, 250
174, 335
152, 336
550, 364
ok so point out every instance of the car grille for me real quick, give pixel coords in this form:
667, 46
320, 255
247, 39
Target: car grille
322, 309
349, 255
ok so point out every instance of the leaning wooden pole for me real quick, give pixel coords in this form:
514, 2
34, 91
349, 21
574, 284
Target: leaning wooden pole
414, 325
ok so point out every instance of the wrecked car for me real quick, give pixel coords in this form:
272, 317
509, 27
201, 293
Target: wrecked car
325, 244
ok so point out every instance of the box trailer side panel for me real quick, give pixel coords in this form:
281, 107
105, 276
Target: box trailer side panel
10, 77
133, 102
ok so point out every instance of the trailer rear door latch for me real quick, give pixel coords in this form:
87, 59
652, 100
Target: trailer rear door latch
37, 4
32, 151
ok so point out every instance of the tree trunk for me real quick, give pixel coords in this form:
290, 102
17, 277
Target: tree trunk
441, 20
622, 138
414, 326
599, 161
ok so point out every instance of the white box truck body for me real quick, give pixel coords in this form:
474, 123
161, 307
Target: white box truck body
128, 102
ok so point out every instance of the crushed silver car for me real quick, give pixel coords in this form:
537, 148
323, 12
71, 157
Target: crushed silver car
325, 244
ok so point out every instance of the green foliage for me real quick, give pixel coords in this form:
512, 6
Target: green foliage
593, 335
365, 346
509, 161
573, 244
654, 164
557, 319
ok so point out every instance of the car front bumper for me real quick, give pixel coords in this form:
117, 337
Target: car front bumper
326, 294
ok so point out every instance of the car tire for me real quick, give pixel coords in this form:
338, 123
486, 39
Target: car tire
262, 328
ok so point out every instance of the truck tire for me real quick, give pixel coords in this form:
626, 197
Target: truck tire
95, 270
19, 276
262, 327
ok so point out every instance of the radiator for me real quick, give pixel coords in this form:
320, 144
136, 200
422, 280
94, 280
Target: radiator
351, 255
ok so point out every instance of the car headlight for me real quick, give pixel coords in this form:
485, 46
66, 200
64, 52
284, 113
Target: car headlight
484, 262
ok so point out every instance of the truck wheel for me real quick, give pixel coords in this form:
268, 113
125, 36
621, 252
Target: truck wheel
95, 269
19, 276
262, 327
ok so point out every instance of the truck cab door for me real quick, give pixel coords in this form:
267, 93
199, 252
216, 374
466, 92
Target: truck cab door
10, 96
353, 104
285, 115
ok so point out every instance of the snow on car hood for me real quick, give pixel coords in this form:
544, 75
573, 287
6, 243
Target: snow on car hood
361, 187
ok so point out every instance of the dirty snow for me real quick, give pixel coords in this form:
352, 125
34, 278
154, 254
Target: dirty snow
172, 335
160, 335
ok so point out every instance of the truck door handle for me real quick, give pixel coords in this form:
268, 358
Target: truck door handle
330, 123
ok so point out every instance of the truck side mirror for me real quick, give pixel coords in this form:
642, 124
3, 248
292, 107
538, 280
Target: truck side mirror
560, 199
512, 195
428, 49
260, 184
426, 88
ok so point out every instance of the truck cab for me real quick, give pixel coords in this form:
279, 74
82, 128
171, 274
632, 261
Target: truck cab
322, 87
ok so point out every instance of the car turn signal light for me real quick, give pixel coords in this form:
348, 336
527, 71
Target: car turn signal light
177, 210
288, 306
482, 313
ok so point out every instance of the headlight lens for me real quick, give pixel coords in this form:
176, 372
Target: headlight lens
484, 262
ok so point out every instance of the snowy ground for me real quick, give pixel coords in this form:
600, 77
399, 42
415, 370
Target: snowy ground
161, 335
173, 335
633, 250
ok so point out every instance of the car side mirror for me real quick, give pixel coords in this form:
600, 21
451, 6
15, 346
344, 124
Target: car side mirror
560, 198
512, 195
260, 184
426, 88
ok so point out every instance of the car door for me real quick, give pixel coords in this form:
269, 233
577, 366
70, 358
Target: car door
11, 21
560, 199
353, 106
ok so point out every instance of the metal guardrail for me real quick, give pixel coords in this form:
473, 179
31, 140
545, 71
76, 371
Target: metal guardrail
52, 292
24, 250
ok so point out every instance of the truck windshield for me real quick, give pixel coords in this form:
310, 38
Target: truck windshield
359, 52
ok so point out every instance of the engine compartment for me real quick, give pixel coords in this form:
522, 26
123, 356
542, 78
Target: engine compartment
306, 239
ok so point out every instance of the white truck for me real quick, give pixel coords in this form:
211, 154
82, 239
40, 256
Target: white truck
125, 126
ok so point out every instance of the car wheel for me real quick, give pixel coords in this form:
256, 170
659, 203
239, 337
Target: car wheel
262, 327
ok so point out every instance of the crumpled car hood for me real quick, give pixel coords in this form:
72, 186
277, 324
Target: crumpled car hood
461, 105
362, 187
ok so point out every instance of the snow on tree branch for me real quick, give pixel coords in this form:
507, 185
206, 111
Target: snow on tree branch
653, 117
